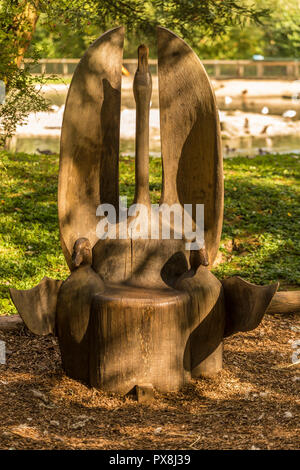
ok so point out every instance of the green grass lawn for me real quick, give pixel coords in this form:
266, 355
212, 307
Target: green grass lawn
260, 240
56, 79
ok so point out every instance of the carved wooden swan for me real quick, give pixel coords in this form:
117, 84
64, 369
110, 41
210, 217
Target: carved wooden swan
143, 310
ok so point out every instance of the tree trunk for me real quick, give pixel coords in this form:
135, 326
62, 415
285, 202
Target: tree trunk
161, 337
285, 302
139, 336
24, 26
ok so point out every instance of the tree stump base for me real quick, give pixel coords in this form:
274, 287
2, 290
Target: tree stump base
139, 336
148, 336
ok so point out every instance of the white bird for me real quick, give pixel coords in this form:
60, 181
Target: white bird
54, 108
290, 113
265, 110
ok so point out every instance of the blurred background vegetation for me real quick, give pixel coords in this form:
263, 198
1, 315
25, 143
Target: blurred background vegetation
216, 29
267, 27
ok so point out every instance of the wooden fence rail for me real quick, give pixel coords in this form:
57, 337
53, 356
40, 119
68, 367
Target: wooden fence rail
218, 69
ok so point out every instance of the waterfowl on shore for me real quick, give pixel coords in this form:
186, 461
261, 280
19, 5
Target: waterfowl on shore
45, 152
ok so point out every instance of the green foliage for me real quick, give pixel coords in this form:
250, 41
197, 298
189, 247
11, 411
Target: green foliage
278, 36
215, 29
260, 238
67, 27
21, 100
282, 29
17, 22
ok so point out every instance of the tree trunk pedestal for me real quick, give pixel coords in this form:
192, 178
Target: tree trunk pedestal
138, 336
141, 336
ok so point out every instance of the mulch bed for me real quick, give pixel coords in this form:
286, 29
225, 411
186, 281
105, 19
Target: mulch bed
252, 404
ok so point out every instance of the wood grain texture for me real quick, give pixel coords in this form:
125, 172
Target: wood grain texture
142, 89
208, 312
89, 152
285, 302
190, 135
10, 322
72, 320
158, 336
192, 173
144, 393
139, 336
37, 306
141, 263
245, 303
211, 365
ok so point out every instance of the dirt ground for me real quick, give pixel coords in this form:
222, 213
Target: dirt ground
252, 404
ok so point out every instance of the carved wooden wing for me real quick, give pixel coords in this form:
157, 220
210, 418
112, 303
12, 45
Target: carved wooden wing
89, 156
190, 135
37, 306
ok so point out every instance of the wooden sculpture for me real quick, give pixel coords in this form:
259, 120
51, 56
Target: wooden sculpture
141, 311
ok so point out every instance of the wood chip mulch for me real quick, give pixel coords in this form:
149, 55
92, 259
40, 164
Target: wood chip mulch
252, 404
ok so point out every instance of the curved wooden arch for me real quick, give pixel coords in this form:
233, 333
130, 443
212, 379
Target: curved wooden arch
89, 154
190, 135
